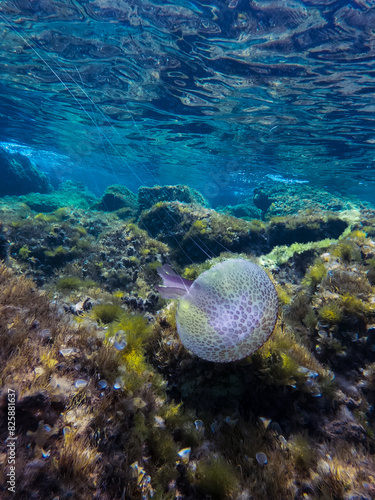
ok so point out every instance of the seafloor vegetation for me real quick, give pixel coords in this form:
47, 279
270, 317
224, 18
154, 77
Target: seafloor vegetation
110, 405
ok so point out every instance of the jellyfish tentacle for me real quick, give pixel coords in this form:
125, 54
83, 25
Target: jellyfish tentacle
174, 286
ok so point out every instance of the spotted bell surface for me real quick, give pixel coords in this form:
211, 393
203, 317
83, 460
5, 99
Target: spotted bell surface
227, 313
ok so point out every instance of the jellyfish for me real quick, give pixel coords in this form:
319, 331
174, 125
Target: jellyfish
227, 313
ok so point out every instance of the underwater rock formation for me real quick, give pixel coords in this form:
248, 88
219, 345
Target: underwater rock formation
116, 197
243, 210
19, 176
227, 313
111, 393
69, 194
148, 196
193, 231
288, 198
262, 200
303, 228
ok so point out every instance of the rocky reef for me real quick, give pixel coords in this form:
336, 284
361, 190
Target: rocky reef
282, 198
108, 402
20, 176
115, 198
149, 196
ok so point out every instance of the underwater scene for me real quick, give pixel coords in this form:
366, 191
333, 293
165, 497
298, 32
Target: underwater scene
187, 249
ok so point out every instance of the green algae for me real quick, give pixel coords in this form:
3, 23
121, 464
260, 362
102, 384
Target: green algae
216, 477
70, 283
331, 313
107, 313
271, 384
315, 274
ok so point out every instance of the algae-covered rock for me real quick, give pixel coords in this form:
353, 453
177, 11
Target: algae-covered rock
287, 198
19, 176
243, 210
304, 227
69, 194
3, 244
148, 196
195, 232
262, 200
115, 198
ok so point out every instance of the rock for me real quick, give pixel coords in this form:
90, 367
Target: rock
262, 200
290, 197
243, 210
346, 430
195, 233
304, 228
141, 304
69, 194
116, 197
79, 308
3, 244
149, 196
19, 176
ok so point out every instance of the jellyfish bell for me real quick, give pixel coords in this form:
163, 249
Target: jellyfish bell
227, 313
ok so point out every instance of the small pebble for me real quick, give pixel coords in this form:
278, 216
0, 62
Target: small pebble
102, 384
117, 384
119, 346
184, 454
261, 458
159, 422
303, 369
323, 467
231, 421
139, 403
67, 352
265, 421
80, 383
199, 425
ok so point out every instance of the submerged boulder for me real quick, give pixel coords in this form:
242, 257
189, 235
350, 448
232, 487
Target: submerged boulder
116, 197
305, 227
69, 194
20, 176
149, 196
195, 233
262, 200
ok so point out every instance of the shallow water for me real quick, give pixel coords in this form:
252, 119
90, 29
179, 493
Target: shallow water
212, 339
216, 95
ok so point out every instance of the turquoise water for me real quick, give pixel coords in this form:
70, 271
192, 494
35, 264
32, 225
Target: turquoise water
217, 95
187, 249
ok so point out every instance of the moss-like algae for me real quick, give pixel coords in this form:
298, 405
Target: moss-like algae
315, 274
107, 313
140, 423
216, 477
70, 283
331, 313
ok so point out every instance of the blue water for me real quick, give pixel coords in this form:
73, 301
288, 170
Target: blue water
217, 95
